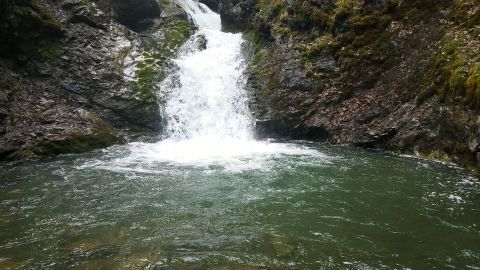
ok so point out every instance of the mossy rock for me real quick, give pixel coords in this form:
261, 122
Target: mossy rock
150, 70
472, 87
147, 78
75, 143
283, 246
457, 71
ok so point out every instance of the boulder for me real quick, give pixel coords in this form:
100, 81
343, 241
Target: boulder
236, 15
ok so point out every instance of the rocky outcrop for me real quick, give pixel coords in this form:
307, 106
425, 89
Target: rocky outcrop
236, 15
135, 14
212, 4
73, 78
399, 75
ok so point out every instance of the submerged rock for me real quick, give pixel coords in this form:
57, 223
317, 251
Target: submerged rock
137, 261
283, 246
10, 265
87, 245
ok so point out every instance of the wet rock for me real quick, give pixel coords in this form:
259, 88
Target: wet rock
368, 115
236, 15
9, 265
283, 246
135, 14
83, 14
474, 137
375, 139
212, 4
277, 128
8, 149
201, 42
70, 4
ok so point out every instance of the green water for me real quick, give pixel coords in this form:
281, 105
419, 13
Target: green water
344, 208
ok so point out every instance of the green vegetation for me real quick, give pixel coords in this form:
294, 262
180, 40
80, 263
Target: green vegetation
349, 30
150, 70
458, 66
472, 86
355, 34
148, 74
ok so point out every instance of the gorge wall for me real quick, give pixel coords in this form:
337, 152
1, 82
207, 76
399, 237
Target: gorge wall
78, 74
401, 75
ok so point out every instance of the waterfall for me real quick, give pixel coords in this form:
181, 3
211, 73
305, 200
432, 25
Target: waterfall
205, 98
205, 104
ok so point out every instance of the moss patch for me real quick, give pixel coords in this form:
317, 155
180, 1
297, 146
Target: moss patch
457, 67
148, 75
175, 32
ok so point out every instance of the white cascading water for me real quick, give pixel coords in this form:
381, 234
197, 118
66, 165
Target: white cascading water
208, 121
205, 99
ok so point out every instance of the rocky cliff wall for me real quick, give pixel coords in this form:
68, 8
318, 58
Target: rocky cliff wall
401, 75
79, 74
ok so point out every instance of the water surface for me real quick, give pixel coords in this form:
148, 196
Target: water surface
312, 206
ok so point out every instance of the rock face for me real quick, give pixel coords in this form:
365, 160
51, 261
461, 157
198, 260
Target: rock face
136, 14
236, 15
73, 78
399, 75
